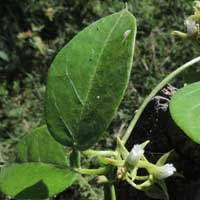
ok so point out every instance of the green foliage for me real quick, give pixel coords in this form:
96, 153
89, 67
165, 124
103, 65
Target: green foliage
18, 110
37, 181
39, 146
40, 162
162, 160
23, 77
40, 165
84, 93
185, 108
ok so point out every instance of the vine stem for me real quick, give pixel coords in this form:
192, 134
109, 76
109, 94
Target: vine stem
153, 93
112, 192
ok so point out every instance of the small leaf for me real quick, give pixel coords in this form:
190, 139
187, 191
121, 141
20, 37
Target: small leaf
4, 56
185, 110
144, 144
156, 192
39, 146
87, 80
162, 160
163, 186
41, 169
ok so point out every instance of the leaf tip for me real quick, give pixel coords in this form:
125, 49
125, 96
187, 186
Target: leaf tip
126, 6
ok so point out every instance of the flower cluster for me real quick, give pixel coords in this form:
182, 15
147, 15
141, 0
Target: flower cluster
129, 163
158, 172
192, 24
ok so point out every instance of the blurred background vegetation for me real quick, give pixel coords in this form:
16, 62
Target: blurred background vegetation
32, 32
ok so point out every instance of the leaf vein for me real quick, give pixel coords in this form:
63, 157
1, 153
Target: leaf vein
98, 61
73, 86
60, 116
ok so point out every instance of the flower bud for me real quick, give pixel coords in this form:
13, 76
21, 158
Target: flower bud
165, 171
135, 155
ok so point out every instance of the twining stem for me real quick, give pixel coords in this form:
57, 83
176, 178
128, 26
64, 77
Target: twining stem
112, 192
153, 93
139, 178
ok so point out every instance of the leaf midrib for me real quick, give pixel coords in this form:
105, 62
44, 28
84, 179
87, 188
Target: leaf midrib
97, 66
84, 103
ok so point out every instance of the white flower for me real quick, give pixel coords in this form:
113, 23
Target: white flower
191, 26
135, 155
165, 171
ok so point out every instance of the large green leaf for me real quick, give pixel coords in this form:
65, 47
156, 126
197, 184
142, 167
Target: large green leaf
185, 110
87, 80
41, 169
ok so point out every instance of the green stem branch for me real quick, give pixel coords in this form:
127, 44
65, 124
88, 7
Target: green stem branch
112, 192
153, 93
99, 171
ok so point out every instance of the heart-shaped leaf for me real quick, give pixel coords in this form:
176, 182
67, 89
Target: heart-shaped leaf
41, 169
87, 80
185, 110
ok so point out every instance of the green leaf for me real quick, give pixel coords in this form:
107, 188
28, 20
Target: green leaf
34, 180
163, 186
87, 80
41, 169
162, 160
157, 191
39, 146
4, 56
185, 110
